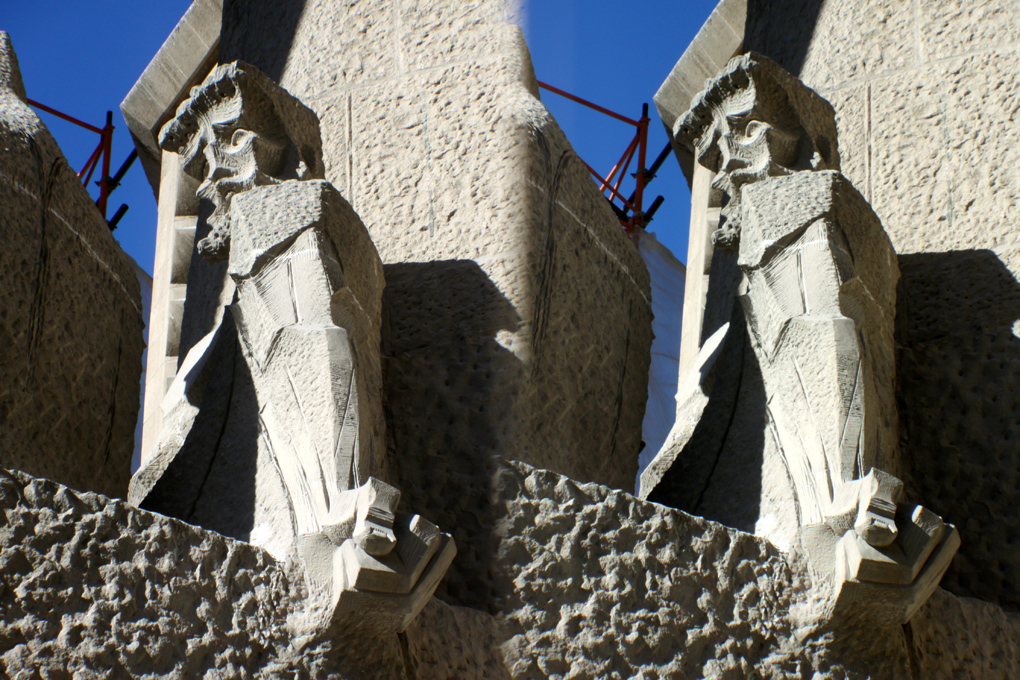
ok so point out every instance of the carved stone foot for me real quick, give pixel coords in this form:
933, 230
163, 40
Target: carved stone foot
883, 560
375, 568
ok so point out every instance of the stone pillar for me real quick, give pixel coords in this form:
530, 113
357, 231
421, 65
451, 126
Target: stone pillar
176, 220
70, 313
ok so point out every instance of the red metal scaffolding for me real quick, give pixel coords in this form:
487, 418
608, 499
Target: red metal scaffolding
629, 211
101, 155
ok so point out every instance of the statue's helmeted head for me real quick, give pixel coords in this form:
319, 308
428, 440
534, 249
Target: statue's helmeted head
755, 121
238, 130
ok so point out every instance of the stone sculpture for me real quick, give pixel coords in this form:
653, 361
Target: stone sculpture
307, 283
818, 295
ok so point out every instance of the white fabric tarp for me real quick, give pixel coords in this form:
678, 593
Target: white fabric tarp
145, 281
668, 276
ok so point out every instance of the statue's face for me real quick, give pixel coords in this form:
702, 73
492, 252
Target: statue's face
744, 150
236, 160
229, 159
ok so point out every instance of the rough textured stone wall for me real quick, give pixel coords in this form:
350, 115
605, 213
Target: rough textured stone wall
603, 585
94, 588
598, 585
927, 96
519, 319
70, 313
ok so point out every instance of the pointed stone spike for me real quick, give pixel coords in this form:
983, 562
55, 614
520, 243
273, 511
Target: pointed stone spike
10, 73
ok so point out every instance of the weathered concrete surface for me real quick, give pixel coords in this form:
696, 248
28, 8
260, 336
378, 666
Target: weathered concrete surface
926, 99
518, 313
599, 585
70, 313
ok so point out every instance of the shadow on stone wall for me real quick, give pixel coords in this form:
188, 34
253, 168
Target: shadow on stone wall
248, 37
958, 375
718, 475
732, 492
211, 481
781, 30
441, 319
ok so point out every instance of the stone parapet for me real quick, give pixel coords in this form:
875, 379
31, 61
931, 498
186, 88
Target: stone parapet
596, 583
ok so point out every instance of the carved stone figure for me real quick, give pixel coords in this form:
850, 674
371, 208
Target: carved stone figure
308, 284
818, 295
756, 121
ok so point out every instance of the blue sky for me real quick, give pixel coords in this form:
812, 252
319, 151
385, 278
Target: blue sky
83, 57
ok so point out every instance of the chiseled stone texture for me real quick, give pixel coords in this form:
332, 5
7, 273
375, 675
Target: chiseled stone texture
454, 643
604, 585
518, 320
70, 313
91, 587
927, 96
598, 585
94, 586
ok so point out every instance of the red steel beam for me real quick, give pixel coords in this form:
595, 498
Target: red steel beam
104, 150
589, 104
609, 178
66, 117
637, 145
608, 188
90, 163
630, 156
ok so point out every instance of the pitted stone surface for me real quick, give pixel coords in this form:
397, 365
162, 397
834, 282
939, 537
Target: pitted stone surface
70, 313
604, 585
964, 638
454, 643
91, 587
926, 98
598, 585
95, 587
